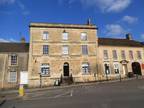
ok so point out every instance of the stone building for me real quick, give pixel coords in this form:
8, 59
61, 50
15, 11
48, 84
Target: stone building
120, 57
60, 51
13, 59
66, 53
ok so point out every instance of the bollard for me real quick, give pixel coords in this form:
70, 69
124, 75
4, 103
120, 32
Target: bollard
21, 90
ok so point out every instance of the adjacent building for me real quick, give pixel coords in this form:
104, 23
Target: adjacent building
13, 59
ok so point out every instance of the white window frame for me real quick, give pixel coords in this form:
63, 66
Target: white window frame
45, 35
65, 36
114, 67
44, 50
45, 66
12, 80
84, 36
13, 55
105, 58
65, 50
84, 49
114, 54
109, 68
85, 68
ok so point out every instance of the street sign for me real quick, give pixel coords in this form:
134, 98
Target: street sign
23, 77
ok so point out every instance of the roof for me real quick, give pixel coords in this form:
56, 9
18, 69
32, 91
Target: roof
14, 47
56, 25
119, 42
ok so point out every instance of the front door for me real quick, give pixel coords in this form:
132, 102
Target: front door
136, 68
66, 69
125, 69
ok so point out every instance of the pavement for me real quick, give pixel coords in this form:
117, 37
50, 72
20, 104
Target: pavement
130, 90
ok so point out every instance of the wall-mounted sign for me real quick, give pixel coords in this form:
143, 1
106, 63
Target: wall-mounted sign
23, 77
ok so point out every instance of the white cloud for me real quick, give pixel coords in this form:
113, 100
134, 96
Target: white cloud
130, 19
114, 30
2, 2
8, 40
142, 36
103, 5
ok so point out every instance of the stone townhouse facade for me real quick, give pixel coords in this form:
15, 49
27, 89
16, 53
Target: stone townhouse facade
120, 57
60, 51
68, 53
13, 60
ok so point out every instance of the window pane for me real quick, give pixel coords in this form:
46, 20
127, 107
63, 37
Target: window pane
65, 36
85, 68
84, 36
139, 55
45, 35
123, 55
107, 68
13, 59
105, 53
84, 50
12, 76
116, 68
114, 54
65, 50
131, 55
45, 69
45, 49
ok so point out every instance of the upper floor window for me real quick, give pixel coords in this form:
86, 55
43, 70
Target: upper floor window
45, 49
84, 50
45, 35
115, 57
65, 50
85, 68
65, 36
83, 36
105, 54
123, 56
139, 55
13, 59
131, 55
12, 76
45, 69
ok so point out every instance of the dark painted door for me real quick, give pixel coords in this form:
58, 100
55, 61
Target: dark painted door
136, 68
66, 69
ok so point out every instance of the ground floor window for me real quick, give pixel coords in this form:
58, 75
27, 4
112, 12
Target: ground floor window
45, 69
85, 68
12, 76
107, 68
116, 68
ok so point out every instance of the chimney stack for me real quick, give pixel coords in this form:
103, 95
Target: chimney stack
89, 22
129, 36
23, 40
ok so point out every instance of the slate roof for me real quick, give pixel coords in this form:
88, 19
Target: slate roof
118, 42
14, 47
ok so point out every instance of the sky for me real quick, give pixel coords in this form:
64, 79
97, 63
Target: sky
114, 18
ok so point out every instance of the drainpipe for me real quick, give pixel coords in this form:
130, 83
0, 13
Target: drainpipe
3, 73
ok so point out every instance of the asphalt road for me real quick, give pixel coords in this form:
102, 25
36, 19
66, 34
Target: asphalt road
127, 94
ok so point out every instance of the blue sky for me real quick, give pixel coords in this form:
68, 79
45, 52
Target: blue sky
114, 18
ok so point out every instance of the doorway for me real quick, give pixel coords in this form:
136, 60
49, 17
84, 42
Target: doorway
125, 69
136, 68
66, 69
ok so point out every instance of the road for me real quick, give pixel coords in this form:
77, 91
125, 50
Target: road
126, 94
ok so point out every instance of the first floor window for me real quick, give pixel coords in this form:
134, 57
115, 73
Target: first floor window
65, 36
139, 55
83, 36
12, 76
105, 54
84, 49
107, 68
65, 49
45, 49
13, 59
45, 69
116, 68
85, 68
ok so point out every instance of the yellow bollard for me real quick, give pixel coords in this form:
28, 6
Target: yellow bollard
21, 90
